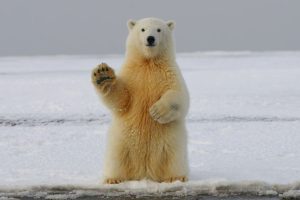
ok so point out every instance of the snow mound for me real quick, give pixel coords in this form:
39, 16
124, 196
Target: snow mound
291, 194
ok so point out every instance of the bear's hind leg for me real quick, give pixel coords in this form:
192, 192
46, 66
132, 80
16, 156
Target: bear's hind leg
112, 168
117, 165
168, 168
120, 165
169, 160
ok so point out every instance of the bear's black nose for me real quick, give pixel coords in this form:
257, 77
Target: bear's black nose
150, 40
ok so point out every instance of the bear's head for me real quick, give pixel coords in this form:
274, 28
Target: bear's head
150, 38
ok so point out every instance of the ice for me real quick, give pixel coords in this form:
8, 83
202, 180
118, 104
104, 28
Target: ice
243, 125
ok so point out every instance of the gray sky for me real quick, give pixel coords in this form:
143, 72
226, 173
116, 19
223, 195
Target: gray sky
35, 27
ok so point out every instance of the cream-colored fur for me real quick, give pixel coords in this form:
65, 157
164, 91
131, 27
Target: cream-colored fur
149, 101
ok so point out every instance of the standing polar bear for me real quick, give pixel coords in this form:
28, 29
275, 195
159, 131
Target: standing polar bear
149, 101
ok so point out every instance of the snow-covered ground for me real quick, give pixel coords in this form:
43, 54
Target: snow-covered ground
244, 124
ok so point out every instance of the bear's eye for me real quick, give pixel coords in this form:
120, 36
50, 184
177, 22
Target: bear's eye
143, 30
158, 30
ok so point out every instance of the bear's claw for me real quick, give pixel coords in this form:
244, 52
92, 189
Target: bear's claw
112, 181
99, 81
179, 178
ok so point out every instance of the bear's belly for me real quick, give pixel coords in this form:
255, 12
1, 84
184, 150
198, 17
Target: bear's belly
144, 140
146, 144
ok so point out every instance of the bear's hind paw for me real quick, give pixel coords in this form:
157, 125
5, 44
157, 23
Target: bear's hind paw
112, 181
178, 178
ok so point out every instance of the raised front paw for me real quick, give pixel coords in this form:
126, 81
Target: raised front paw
164, 112
103, 76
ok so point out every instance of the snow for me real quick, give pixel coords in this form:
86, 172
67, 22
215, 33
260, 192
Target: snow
243, 125
291, 194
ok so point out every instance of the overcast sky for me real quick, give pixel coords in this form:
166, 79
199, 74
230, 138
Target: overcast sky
35, 27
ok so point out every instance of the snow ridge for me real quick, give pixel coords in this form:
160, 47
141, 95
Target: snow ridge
104, 119
149, 188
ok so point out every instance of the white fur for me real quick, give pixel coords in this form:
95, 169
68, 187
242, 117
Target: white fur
138, 39
161, 111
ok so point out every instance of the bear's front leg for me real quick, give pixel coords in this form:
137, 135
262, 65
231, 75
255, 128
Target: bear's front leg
112, 89
168, 108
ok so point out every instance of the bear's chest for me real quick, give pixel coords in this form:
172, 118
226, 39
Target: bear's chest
148, 86
145, 89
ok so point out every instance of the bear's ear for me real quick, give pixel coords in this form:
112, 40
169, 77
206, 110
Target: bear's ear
130, 24
171, 24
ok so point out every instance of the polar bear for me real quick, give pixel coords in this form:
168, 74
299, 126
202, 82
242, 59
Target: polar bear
148, 100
